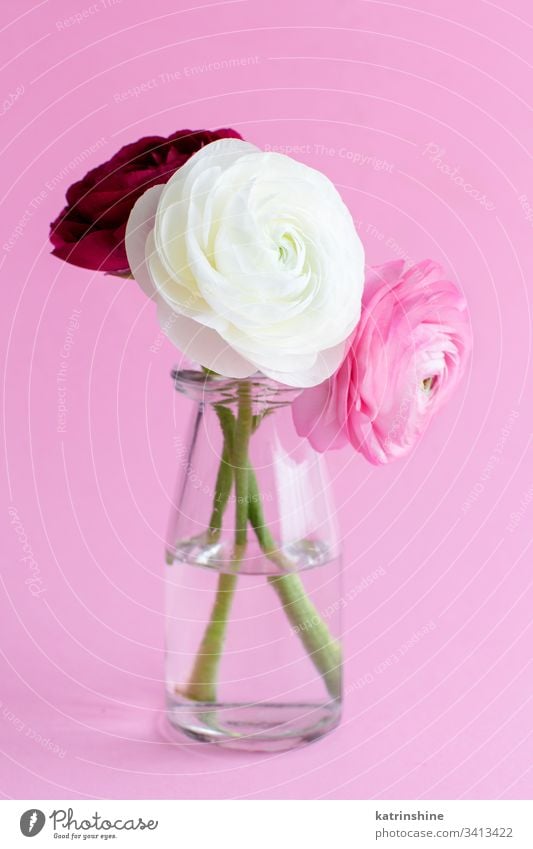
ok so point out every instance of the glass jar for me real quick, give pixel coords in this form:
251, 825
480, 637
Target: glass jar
253, 658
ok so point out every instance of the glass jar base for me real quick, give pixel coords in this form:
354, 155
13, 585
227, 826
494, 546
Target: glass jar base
264, 727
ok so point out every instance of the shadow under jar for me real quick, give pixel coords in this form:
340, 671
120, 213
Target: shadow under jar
253, 658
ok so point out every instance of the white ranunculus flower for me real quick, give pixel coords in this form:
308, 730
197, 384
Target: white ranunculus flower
254, 262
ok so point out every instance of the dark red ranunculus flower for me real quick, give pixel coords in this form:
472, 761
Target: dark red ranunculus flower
89, 232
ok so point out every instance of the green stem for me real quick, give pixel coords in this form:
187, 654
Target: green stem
203, 681
323, 649
224, 480
202, 685
243, 430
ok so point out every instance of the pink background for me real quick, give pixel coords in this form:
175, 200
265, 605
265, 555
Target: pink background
367, 86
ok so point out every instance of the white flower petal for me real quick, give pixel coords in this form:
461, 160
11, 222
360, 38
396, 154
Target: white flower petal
202, 344
140, 225
301, 373
259, 256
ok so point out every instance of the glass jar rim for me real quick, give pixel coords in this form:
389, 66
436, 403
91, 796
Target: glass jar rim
214, 388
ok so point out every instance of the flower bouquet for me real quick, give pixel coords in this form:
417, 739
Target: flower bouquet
257, 274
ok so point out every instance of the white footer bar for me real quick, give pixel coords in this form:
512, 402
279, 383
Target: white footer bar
268, 824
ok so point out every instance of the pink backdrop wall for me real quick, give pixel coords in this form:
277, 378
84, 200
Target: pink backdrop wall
420, 113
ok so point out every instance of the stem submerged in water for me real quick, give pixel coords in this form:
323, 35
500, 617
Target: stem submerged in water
202, 684
323, 649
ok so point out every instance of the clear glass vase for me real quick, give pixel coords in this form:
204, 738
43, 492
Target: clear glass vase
253, 658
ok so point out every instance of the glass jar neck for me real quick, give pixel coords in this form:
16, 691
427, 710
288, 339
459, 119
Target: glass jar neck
207, 388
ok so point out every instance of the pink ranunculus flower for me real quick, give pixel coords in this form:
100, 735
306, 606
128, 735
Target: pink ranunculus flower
404, 359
